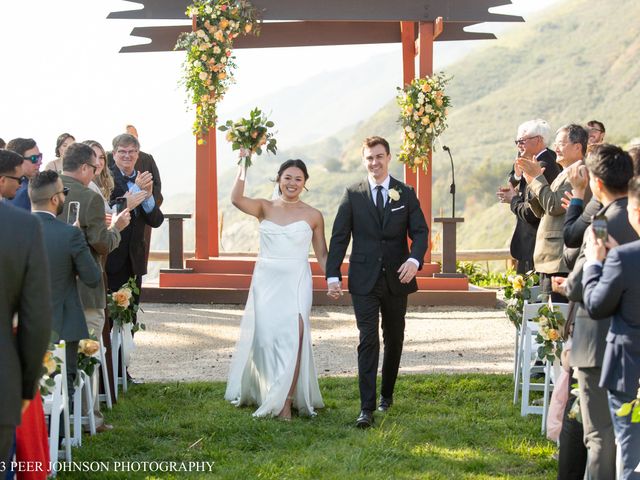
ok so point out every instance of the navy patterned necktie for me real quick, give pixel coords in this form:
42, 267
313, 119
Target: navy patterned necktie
380, 202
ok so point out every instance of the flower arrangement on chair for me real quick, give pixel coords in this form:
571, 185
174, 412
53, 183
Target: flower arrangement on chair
249, 135
423, 116
551, 320
516, 293
51, 366
87, 348
208, 68
121, 306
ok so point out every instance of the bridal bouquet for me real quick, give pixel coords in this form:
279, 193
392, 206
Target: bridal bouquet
121, 306
551, 321
250, 135
423, 116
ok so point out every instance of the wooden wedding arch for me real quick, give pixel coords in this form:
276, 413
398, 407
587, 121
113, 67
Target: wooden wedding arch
416, 24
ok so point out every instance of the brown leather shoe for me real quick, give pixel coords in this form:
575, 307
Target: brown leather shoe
105, 427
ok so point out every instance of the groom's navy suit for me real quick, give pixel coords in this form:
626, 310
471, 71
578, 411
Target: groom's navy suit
380, 247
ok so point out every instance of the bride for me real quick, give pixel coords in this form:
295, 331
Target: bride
273, 365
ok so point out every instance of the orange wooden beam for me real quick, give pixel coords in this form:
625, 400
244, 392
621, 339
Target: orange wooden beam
408, 33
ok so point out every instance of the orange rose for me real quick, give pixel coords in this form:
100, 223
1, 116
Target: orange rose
247, 28
88, 347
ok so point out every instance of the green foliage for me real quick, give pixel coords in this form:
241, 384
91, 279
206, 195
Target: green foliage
632, 407
440, 427
483, 277
249, 135
121, 305
516, 292
549, 337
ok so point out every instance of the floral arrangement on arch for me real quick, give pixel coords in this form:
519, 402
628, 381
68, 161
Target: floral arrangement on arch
516, 293
208, 68
249, 135
423, 117
551, 320
121, 305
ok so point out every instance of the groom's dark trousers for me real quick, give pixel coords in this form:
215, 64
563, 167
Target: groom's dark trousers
379, 248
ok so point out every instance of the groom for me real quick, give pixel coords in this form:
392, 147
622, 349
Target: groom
378, 213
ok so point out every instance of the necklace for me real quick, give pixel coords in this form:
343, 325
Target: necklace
288, 201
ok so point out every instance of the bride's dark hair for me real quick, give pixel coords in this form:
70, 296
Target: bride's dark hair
296, 162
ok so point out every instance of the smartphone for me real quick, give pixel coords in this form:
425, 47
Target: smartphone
599, 225
73, 213
121, 204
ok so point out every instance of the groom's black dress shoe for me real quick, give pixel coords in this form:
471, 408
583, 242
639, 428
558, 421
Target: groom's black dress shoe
365, 419
385, 404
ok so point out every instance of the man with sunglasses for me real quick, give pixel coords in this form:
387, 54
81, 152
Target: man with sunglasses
10, 174
32, 159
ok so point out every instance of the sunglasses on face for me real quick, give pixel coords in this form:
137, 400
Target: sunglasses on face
17, 179
34, 158
64, 191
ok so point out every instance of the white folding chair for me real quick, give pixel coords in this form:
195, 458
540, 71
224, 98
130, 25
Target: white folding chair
526, 368
83, 387
54, 404
103, 372
535, 293
118, 354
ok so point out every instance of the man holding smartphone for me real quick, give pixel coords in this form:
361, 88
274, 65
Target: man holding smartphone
79, 166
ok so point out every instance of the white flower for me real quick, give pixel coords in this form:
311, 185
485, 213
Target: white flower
208, 10
394, 194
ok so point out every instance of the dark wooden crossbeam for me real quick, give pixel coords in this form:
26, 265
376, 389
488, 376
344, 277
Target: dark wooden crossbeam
474, 11
300, 34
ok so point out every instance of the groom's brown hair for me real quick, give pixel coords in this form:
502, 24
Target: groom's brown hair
371, 142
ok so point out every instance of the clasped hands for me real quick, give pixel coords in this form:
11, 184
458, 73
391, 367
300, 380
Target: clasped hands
406, 273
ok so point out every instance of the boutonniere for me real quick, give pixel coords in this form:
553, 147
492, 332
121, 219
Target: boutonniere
394, 194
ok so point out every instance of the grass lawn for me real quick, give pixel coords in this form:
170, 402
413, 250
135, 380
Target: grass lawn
441, 427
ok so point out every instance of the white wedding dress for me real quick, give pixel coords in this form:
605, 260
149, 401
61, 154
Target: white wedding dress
263, 365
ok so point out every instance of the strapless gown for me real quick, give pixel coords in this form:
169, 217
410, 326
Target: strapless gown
263, 365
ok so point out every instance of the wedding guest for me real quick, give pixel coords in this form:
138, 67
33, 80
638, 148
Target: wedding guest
596, 132
10, 174
570, 146
634, 153
62, 143
128, 259
32, 159
25, 291
68, 256
610, 170
3, 144
612, 290
532, 140
79, 165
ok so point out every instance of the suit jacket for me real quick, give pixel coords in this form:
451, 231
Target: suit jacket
145, 163
576, 221
377, 246
614, 291
101, 239
547, 204
133, 245
24, 289
68, 255
524, 236
589, 336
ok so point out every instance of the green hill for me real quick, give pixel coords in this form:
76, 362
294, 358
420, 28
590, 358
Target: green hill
573, 64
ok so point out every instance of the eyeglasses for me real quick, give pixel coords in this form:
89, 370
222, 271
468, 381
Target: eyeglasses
92, 166
125, 153
593, 130
34, 158
64, 191
17, 179
522, 141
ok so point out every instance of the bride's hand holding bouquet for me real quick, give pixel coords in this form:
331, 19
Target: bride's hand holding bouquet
250, 135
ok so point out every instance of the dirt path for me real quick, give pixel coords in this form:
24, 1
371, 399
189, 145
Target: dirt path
195, 342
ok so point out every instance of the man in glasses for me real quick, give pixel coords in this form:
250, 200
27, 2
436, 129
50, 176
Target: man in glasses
596, 132
32, 159
78, 165
531, 141
68, 255
10, 174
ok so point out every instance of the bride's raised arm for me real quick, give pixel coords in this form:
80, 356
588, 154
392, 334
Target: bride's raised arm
251, 206
319, 243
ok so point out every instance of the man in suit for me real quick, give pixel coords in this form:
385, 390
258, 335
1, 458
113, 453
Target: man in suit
378, 213
612, 290
548, 259
25, 291
532, 140
10, 174
610, 170
78, 167
129, 259
32, 159
68, 255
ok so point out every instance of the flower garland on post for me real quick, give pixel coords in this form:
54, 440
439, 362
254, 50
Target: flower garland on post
208, 68
423, 116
